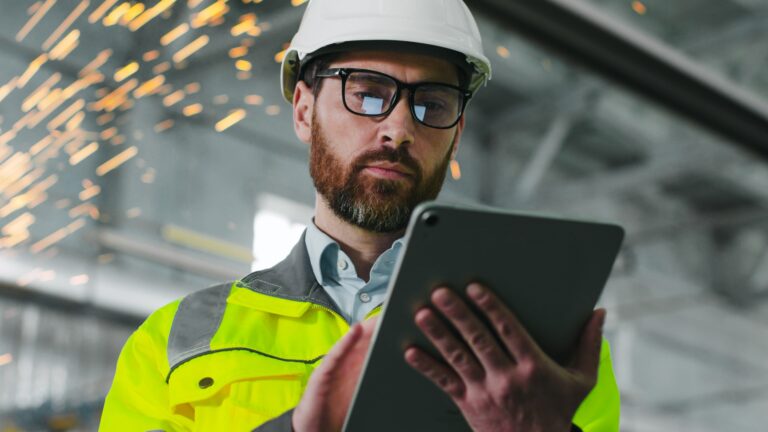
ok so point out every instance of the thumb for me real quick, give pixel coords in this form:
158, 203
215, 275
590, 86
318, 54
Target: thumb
587, 356
343, 347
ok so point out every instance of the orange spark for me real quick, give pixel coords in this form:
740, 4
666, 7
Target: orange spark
100, 11
57, 236
32, 69
174, 34
97, 62
40, 92
273, 110
238, 51
192, 88
34, 19
105, 118
173, 98
66, 114
639, 7
254, 100
230, 120
89, 192
83, 153
455, 170
151, 55
150, 14
161, 67
108, 133
209, 14
132, 13
280, 56
8, 87
76, 12
126, 71
23, 182
243, 65
191, 48
149, 87
116, 161
191, 110
75, 121
66, 45
164, 125
41, 145
245, 25
117, 13
85, 209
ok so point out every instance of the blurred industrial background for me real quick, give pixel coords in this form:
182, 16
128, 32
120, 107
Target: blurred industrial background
145, 152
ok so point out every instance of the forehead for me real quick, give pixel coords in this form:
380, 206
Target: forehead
407, 67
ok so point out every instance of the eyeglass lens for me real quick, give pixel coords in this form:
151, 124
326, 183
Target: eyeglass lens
372, 94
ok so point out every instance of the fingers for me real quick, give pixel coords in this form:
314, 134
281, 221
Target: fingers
453, 351
512, 334
441, 375
587, 357
475, 333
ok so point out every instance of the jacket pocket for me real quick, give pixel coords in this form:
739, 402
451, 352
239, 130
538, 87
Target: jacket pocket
235, 390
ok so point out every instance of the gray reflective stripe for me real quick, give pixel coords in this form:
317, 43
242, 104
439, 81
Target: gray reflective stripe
199, 314
291, 279
197, 319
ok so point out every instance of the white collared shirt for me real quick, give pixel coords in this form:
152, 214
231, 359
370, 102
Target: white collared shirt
336, 273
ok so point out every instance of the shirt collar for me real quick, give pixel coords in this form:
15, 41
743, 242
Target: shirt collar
321, 246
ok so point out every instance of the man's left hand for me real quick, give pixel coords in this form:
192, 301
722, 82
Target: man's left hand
513, 386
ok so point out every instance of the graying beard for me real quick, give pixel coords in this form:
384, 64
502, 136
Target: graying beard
365, 216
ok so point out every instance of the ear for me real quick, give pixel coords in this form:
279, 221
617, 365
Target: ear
457, 137
303, 106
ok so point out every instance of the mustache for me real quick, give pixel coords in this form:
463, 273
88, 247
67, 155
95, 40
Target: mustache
386, 154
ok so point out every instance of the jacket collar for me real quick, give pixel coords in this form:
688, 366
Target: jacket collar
291, 279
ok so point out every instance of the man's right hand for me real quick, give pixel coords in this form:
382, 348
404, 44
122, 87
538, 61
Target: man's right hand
325, 402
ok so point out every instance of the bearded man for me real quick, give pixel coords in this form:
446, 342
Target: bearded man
379, 90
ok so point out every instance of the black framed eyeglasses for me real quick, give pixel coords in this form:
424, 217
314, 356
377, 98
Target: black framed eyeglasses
374, 94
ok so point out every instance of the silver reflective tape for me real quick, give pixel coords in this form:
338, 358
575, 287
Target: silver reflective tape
197, 320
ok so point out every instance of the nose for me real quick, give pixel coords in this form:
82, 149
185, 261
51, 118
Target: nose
399, 127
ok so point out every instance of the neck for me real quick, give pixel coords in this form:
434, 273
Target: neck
362, 246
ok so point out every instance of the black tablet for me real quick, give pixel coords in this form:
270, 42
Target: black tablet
549, 271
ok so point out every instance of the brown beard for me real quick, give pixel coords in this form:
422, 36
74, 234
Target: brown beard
374, 204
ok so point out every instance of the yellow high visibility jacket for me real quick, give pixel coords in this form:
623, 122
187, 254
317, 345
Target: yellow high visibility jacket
237, 357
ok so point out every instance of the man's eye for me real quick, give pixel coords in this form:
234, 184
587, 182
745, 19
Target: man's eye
371, 105
435, 105
362, 95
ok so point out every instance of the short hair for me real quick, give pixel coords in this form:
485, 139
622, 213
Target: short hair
313, 67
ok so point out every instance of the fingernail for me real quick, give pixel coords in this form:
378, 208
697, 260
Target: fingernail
475, 290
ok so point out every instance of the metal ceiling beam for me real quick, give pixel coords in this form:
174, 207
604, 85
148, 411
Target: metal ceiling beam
581, 32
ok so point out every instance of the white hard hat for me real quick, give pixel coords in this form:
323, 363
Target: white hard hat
444, 24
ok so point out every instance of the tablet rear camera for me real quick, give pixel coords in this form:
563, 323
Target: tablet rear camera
430, 219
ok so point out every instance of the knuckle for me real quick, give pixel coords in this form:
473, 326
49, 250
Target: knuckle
503, 328
507, 386
447, 383
481, 342
458, 357
478, 339
529, 370
453, 387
